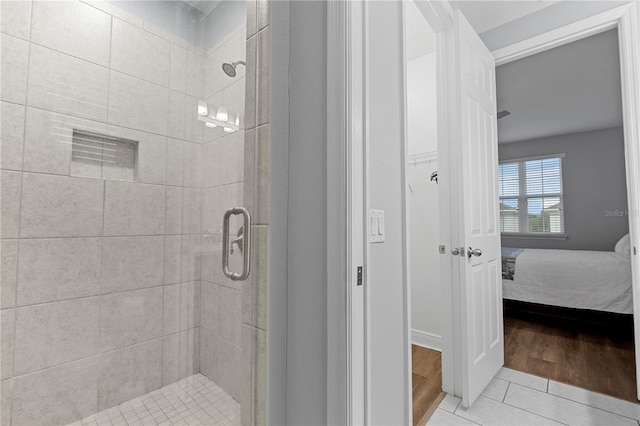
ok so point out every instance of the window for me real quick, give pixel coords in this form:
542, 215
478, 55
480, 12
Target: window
531, 196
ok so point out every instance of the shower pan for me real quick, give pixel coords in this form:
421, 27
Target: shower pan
133, 232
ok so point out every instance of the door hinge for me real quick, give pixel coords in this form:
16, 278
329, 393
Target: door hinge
359, 282
442, 249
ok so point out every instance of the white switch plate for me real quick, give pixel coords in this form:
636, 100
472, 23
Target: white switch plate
376, 221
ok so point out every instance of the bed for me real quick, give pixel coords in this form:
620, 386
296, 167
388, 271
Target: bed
594, 280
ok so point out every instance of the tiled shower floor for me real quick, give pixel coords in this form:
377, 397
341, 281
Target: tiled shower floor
195, 400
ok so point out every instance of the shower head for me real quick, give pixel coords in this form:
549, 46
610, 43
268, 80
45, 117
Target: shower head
230, 69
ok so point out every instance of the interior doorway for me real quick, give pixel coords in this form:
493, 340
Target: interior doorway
566, 268
422, 212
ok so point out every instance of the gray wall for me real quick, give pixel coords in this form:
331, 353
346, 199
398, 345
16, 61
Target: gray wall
307, 224
594, 181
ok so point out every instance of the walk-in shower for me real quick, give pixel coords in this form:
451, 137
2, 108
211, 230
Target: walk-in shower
114, 303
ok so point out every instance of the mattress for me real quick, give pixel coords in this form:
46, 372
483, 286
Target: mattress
572, 278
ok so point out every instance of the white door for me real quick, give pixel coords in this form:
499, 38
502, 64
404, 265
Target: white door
475, 142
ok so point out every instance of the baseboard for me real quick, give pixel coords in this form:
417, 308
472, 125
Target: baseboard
426, 340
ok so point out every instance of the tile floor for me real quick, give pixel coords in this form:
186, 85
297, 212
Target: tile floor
195, 400
515, 398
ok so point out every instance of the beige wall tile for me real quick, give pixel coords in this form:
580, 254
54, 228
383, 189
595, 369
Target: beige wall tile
73, 28
6, 392
130, 317
191, 211
263, 80
261, 184
57, 206
151, 156
175, 162
170, 359
189, 352
172, 259
133, 209
131, 263
8, 273
12, 134
139, 53
129, 372
209, 343
173, 210
10, 183
216, 201
64, 84
13, 74
252, 17
209, 305
230, 314
193, 165
48, 140
190, 305
264, 13
15, 19
56, 396
213, 72
251, 83
56, 333
7, 330
58, 269
229, 361
171, 312
191, 253
138, 104
261, 276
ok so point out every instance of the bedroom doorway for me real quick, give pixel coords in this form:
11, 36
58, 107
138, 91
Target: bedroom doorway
564, 217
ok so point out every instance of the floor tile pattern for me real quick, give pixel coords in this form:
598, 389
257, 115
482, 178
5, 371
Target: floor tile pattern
192, 401
515, 398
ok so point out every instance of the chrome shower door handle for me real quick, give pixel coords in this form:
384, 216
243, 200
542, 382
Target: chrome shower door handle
246, 243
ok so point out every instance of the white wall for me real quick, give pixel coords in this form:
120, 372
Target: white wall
390, 387
422, 202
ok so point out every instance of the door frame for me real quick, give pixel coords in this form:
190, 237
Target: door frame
625, 19
347, 174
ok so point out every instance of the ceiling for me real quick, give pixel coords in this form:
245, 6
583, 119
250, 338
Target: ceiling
204, 6
485, 15
569, 89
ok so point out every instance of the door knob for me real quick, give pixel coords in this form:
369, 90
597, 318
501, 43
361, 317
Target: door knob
474, 252
455, 251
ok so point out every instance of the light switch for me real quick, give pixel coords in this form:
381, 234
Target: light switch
377, 226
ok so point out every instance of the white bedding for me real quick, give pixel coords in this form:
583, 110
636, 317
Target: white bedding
572, 278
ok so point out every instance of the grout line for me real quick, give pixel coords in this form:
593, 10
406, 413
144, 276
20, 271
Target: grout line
531, 412
107, 236
88, 296
97, 355
506, 392
576, 402
17, 287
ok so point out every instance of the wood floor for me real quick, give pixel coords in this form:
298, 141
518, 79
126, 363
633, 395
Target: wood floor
600, 362
427, 383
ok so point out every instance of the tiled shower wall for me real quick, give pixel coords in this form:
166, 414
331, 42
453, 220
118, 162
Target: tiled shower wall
100, 297
256, 198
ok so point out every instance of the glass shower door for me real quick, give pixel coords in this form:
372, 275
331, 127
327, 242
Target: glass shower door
114, 305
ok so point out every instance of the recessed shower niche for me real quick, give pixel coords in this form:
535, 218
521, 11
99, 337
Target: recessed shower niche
99, 156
